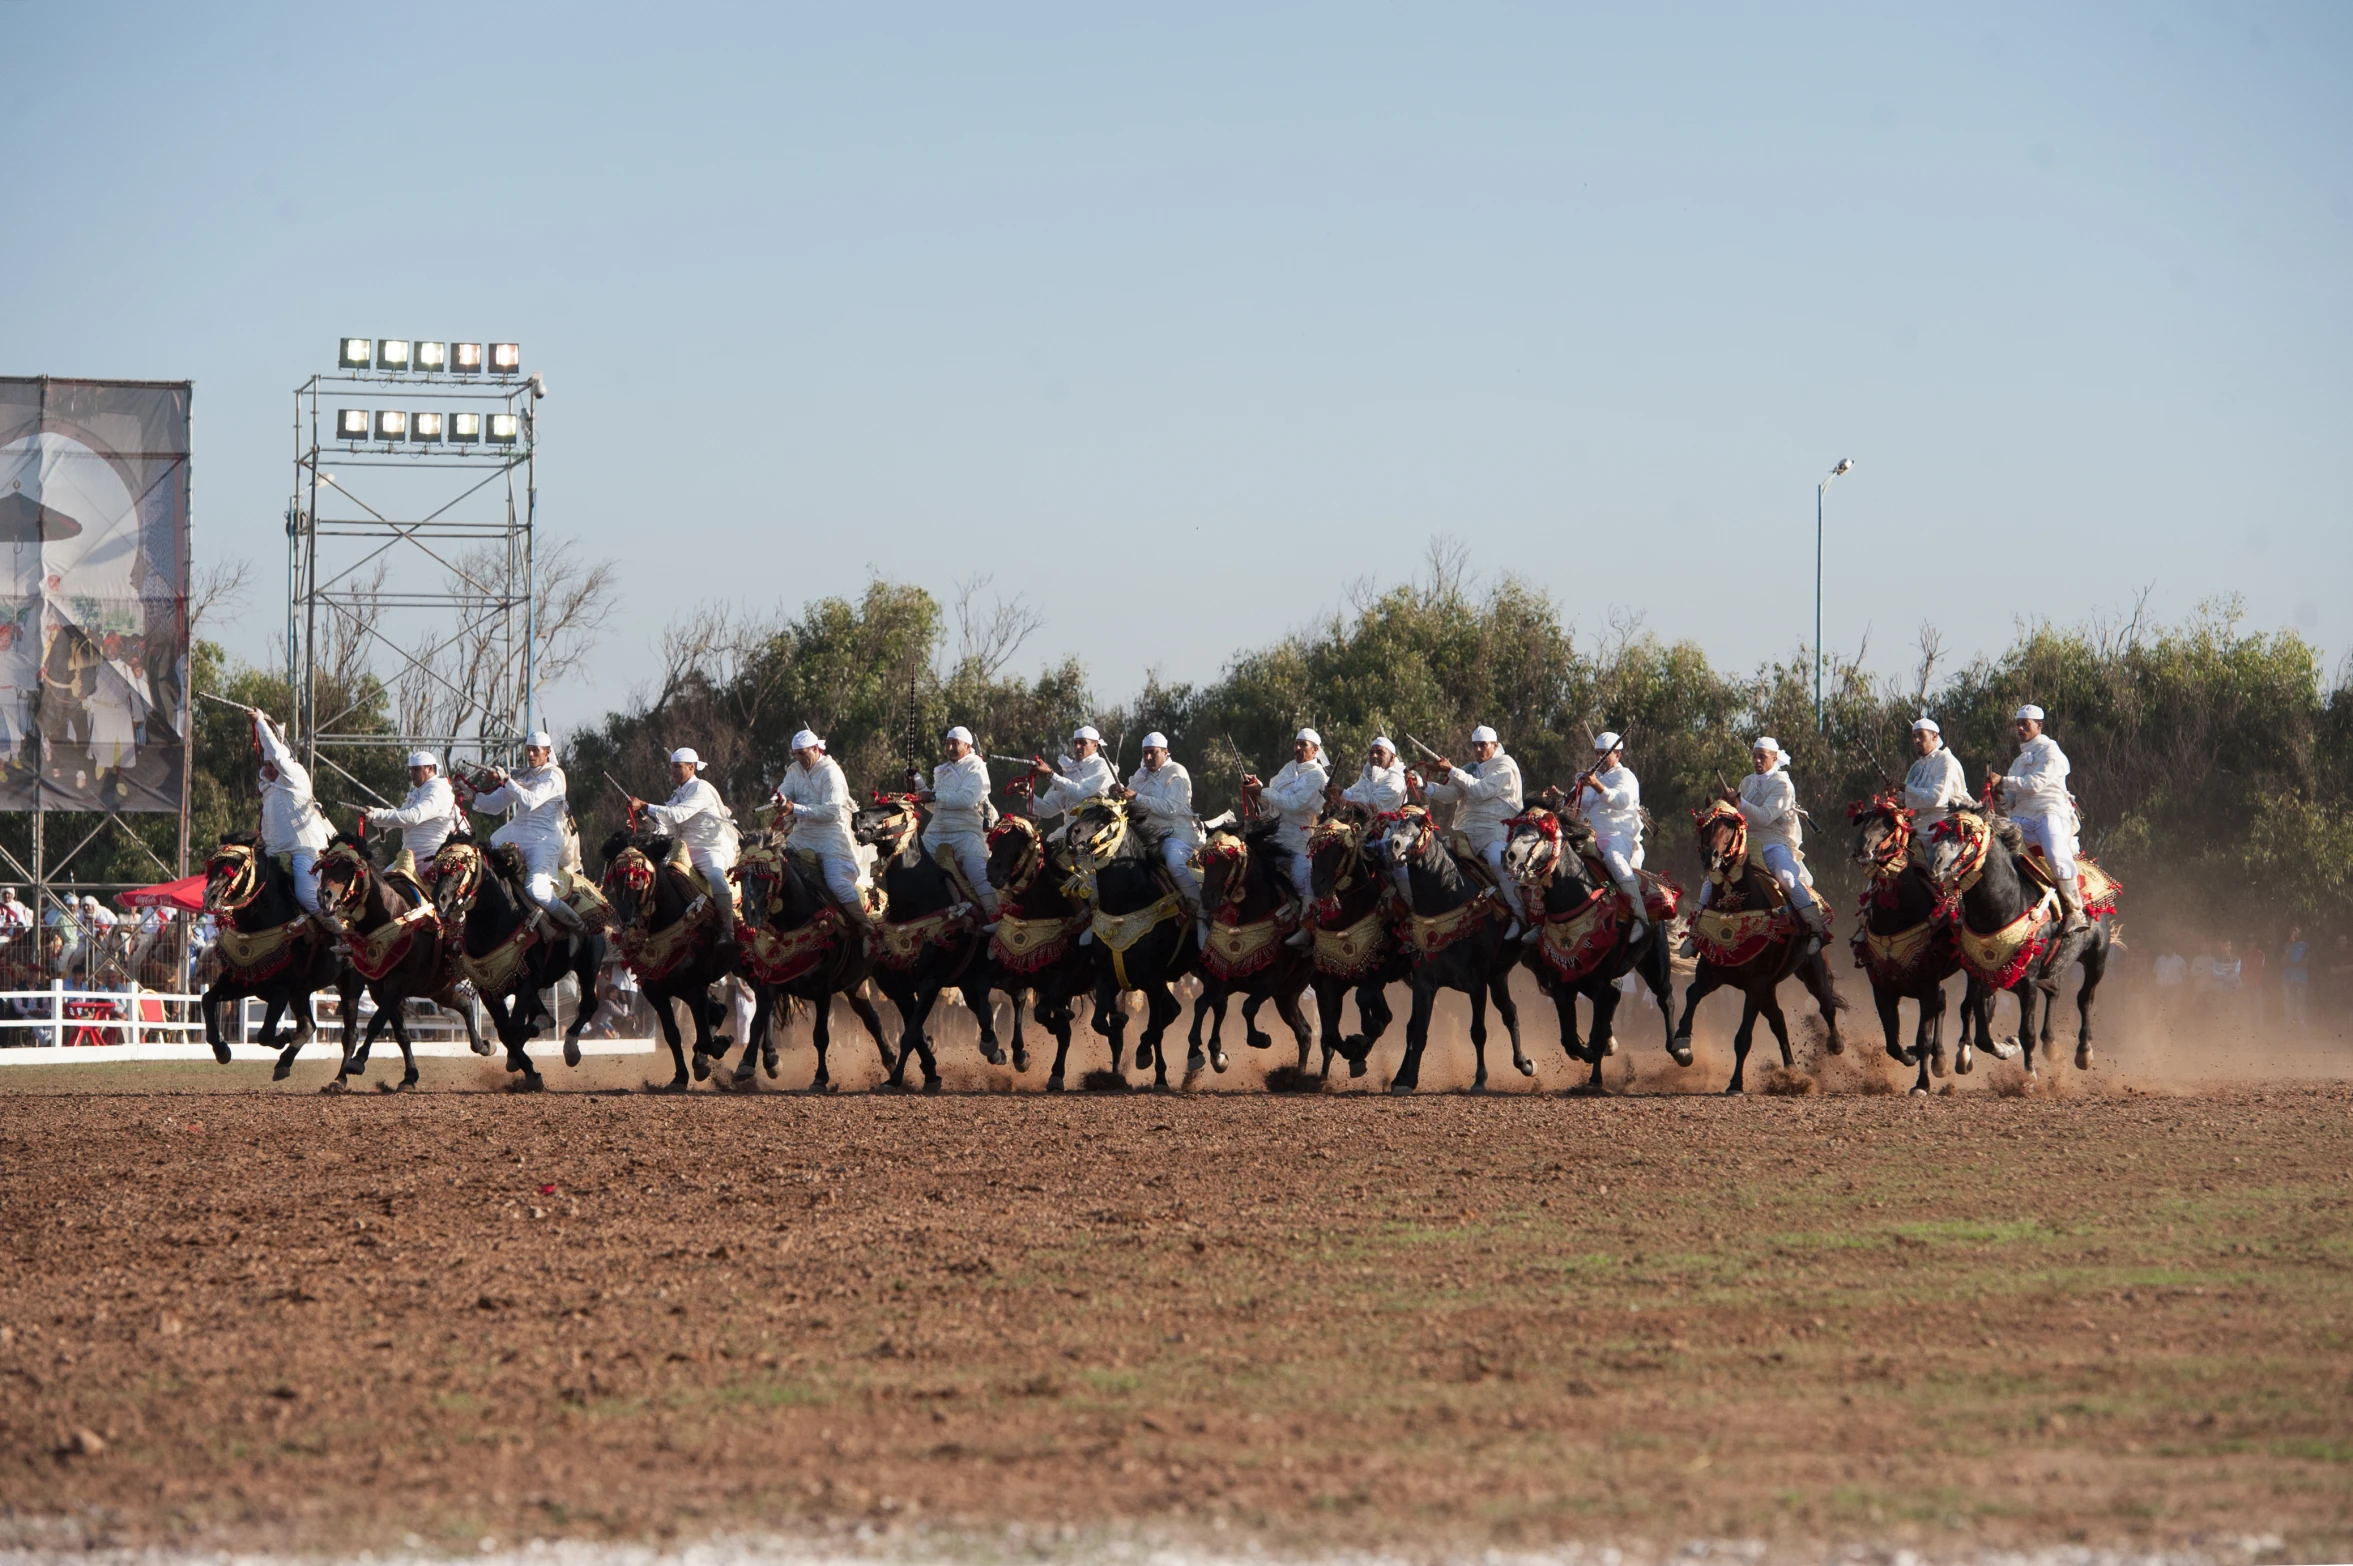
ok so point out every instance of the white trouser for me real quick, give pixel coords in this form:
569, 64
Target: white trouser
1493, 854
1783, 862
1621, 853
714, 863
2055, 835
841, 877
972, 857
1178, 856
1302, 872
306, 879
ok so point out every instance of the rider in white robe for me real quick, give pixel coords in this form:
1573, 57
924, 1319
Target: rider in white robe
1933, 784
2035, 795
1380, 783
815, 798
427, 814
539, 797
961, 814
1485, 796
699, 820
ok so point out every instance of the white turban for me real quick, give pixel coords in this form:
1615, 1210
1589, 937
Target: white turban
1086, 731
685, 755
423, 758
1310, 736
959, 732
1156, 741
807, 739
1381, 742
1605, 742
539, 739
1483, 735
2030, 710
1771, 745
1924, 721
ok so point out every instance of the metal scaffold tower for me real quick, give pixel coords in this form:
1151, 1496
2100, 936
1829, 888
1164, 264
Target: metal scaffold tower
410, 552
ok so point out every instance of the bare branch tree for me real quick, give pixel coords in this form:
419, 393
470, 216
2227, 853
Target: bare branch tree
1931, 645
217, 589
987, 639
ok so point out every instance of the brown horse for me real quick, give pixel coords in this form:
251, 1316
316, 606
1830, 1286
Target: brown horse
1904, 941
1750, 939
1244, 893
393, 934
269, 947
1454, 929
797, 946
1355, 913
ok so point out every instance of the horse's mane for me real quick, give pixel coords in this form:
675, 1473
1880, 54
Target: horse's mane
240, 840
348, 840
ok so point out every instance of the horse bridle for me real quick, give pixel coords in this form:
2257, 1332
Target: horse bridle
345, 858
465, 862
1975, 835
1033, 853
1231, 851
634, 869
1888, 858
245, 879
1545, 825
903, 808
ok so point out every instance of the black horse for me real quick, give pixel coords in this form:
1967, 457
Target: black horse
270, 948
798, 947
1244, 894
2009, 930
667, 928
1586, 938
1036, 948
1904, 940
510, 949
1748, 939
1355, 910
931, 935
394, 938
1455, 933
1142, 933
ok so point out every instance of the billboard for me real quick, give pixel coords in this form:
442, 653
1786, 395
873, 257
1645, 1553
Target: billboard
93, 594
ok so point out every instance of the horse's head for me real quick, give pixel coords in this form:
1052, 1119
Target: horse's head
1097, 829
629, 881
1723, 835
1406, 834
1883, 831
233, 876
1016, 854
1959, 845
456, 877
890, 824
1533, 851
1224, 862
762, 872
1333, 848
344, 873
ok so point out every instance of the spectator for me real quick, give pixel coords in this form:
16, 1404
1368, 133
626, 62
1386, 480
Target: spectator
2227, 971
2295, 980
2172, 971
15, 917
2202, 974
2252, 981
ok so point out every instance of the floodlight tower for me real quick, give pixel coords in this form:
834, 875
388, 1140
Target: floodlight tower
410, 550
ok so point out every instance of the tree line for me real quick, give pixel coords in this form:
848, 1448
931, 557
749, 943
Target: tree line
2210, 759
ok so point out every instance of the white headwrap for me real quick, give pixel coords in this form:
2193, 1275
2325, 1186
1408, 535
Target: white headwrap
2030, 710
1310, 736
1483, 735
1605, 742
682, 753
807, 739
1780, 757
1924, 721
959, 732
1086, 731
1155, 741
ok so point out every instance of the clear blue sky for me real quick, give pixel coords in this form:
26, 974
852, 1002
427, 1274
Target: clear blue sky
1179, 321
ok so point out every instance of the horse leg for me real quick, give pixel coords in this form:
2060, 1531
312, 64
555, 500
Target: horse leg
1928, 1042
1330, 996
1499, 986
1373, 1016
1417, 1035
1060, 1029
210, 1006
584, 966
2095, 966
1160, 1010
925, 1000
1708, 977
980, 1000
1740, 1043
1110, 1021
1814, 974
746, 1075
408, 1053
1477, 992
1603, 1034
2026, 993
1888, 1001
269, 1031
448, 1001
1287, 1007
675, 1037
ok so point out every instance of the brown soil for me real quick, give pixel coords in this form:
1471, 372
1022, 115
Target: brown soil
242, 1314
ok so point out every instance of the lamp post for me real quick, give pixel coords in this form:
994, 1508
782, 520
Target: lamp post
1845, 465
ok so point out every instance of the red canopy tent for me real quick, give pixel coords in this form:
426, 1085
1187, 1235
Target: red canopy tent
187, 894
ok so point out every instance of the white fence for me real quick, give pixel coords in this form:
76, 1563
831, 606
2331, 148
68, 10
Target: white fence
61, 1026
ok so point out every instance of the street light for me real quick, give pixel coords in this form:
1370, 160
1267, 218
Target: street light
1845, 465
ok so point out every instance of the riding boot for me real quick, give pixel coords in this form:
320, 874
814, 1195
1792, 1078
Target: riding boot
1303, 937
723, 944
566, 917
2071, 899
1810, 913
856, 911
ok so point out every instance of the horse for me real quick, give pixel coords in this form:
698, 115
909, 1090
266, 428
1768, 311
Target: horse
270, 948
1245, 894
1354, 911
1586, 939
1142, 932
1747, 938
1455, 936
1036, 947
396, 945
2009, 920
1904, 940
931, 935
797, 946
510, 949
666, 927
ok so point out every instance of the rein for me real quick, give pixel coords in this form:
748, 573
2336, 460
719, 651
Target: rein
1033, 855
241, 862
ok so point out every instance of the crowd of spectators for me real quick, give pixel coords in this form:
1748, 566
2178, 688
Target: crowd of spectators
2286, 985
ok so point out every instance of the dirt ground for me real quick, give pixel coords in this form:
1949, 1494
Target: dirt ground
2114, 1311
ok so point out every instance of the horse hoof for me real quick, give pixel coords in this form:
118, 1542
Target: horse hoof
1401, 1089
1611, 1048
1919, 1092
1681, 1054
674, 1085
931, 1084
408, 1084
1054, 1084
1356, 1066
1021, 1062
283, 1070
1964, 1061
768, 1064
1527, 1067
745, 1081
481, 1047
530, 1082
1478, 1085
1732, 1090
220, 1052
335, 1086
1194, 1061
1259, 1040
2083, 1057
1936, 1062
1835, 1044
571, 1052
993, 1055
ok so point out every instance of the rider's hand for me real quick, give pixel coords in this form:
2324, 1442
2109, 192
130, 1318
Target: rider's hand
636, 805
1442, 766
1993, 779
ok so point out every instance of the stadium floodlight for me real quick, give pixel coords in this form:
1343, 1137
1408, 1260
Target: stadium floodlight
392, 353
357, 353
432, 358
351, 424
465, 428
506, 358
425, 426
505, 427
466, 358
391, 424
